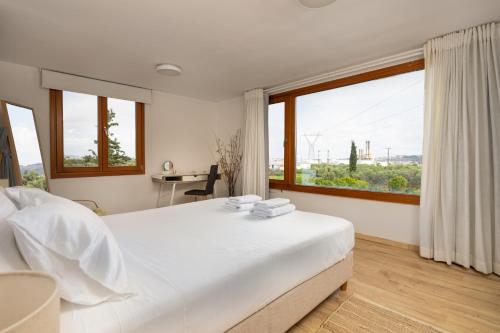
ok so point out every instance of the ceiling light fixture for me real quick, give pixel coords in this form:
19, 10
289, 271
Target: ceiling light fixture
315, 3
169, 69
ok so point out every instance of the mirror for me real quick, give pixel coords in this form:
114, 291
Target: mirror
20, 156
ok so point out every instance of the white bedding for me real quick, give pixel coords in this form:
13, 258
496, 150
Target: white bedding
201, 268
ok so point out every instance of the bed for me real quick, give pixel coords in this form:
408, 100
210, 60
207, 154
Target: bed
200, 268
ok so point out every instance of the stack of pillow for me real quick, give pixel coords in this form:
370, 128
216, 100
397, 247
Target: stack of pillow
64, 239
272, 208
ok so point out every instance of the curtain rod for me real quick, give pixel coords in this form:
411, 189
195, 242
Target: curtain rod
463, 29
347, 71
93, 78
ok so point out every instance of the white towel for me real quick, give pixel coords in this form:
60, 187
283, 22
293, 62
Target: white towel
273, 212
272, 203
238, 207
249, 198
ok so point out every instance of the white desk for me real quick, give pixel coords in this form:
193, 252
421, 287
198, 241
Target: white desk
179, 178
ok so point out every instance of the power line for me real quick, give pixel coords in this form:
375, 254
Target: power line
372, 106
311, 140
393, 115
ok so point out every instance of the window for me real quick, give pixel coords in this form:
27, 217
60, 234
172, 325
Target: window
359, 136
80, 130
95, 136
121, 133
276, 125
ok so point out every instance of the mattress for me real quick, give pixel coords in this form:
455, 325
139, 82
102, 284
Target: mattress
199, 267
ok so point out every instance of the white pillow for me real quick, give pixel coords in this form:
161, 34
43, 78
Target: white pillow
7, 207
27, 196
73, 244
10, 258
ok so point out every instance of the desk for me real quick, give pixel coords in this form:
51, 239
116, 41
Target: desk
174, 179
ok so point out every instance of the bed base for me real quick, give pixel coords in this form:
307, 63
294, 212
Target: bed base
285, 311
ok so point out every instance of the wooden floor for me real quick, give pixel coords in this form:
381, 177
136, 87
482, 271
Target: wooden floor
448, 297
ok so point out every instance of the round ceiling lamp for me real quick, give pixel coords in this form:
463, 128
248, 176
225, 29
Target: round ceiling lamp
169, 69
315, 3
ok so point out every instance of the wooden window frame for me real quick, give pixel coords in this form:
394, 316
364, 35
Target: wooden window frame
289, 98
57, 168
287, 144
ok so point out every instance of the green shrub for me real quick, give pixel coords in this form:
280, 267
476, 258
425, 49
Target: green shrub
341, 182
33, 179
398, 183
373, 177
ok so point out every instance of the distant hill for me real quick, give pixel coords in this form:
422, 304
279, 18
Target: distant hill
402, 159
38, 168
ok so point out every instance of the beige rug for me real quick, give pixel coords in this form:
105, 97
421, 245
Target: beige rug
358, 314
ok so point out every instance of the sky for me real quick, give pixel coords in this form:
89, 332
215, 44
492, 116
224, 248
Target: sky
25, 135
80, 123
388, 112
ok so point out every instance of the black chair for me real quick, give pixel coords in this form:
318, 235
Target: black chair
209, 189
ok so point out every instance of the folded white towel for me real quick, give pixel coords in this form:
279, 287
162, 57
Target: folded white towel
249, 198
272, 203
272, 212
238, 207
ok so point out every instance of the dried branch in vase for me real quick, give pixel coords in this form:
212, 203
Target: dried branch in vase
229, 160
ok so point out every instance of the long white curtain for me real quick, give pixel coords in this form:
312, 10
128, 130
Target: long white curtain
460, 199
254, 149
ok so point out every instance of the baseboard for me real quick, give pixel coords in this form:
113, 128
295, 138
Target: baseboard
388, 242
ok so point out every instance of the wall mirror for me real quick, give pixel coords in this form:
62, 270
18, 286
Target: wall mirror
21, 160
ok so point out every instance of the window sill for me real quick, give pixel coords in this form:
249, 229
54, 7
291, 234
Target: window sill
409, 199
56, 175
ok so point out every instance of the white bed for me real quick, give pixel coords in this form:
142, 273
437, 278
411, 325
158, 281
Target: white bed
201, 268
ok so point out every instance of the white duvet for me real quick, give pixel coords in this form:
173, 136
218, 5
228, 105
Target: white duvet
201, 268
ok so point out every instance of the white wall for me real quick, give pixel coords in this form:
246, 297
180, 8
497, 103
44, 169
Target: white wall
176, 128
392, 221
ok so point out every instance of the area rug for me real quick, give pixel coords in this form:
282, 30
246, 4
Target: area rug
358, 314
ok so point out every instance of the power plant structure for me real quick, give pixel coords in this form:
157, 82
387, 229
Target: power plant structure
365, 154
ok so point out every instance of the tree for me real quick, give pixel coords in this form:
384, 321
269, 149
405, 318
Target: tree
353, 159
116, 156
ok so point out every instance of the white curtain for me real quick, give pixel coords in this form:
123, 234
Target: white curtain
254, 149
460, 199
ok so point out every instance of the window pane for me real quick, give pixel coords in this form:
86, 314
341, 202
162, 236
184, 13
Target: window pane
121, 133
365, 136
23, 129
276, 120
79, 129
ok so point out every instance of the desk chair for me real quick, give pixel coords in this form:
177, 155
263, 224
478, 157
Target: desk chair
209, 188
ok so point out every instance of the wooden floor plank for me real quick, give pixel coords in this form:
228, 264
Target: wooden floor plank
449, 297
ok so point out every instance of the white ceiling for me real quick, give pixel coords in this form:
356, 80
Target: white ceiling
224, 46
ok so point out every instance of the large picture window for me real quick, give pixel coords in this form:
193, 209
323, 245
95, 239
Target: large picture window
359, 136
95, 136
